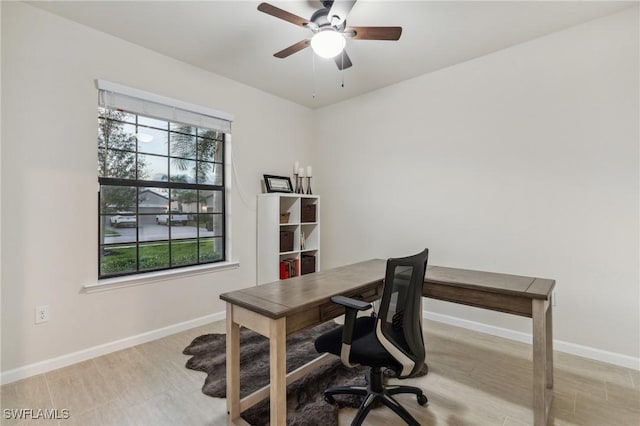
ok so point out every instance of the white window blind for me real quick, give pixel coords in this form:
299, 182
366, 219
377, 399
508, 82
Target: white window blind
116, 96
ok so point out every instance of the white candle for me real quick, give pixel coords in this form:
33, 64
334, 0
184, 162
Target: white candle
296, 166
309, 171
301, 172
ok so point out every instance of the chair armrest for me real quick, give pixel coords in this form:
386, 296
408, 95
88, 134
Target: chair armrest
351, 308
350, 303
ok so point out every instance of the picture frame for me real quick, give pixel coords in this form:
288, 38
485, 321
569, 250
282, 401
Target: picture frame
278, 183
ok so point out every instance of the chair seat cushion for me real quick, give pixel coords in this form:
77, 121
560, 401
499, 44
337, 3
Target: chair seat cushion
366, 349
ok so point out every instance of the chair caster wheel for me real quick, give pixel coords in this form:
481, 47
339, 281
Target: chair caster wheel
422, 400
329, 399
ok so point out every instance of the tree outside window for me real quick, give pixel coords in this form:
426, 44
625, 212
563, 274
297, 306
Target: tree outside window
161, 202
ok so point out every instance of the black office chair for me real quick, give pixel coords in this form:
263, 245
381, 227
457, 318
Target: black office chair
392, 339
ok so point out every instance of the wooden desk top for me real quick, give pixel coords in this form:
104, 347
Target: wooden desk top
286, 297
282, 298
530, 287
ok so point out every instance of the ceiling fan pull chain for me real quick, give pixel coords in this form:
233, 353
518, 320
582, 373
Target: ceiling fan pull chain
313, 65
342, 67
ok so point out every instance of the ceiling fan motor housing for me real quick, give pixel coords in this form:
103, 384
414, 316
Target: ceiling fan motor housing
320, 18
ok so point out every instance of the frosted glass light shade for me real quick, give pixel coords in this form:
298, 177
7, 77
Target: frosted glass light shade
144, 137
328, 43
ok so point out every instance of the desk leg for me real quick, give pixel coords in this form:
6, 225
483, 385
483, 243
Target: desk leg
549, 338
278, 371
233, 367
542, 361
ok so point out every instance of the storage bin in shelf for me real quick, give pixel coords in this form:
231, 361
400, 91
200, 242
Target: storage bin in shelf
308, 213
284, 218
307, 264
286, 241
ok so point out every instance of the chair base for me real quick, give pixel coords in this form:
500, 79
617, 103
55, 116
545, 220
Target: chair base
376, 392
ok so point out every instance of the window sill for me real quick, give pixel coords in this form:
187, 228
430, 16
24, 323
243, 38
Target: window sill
151, 277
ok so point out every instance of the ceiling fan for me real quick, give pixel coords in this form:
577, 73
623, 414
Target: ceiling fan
330, 30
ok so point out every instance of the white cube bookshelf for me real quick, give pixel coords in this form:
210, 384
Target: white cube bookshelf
270, 207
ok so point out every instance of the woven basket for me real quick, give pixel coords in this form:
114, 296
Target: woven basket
284, 217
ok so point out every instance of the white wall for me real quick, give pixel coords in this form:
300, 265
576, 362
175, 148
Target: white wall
49, 183
524, 161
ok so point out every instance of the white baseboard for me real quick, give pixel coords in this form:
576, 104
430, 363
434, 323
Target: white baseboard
558, 345
85, 354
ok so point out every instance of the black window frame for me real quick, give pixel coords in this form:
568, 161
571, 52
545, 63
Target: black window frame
218, 160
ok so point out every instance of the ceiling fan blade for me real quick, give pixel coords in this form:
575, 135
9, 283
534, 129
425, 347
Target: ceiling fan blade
282, 14
292, 49
339, 11
342, 61
373, 33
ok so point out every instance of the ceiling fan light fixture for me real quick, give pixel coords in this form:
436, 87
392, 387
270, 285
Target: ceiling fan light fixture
328, 43
144, 137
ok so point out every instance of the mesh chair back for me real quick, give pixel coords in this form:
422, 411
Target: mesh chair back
399, 322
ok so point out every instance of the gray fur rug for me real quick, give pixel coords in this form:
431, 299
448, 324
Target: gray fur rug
305, 400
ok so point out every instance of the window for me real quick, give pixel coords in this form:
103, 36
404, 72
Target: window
162, 189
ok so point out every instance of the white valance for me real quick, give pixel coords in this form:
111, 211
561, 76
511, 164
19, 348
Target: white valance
117, 96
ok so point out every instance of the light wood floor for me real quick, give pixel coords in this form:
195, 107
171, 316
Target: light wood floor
474, 379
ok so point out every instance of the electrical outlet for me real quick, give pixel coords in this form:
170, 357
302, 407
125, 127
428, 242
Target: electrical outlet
42, 314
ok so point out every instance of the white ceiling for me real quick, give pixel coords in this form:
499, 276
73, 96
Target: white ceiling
235, 40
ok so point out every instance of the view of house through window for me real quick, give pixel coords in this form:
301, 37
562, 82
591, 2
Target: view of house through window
161, 202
